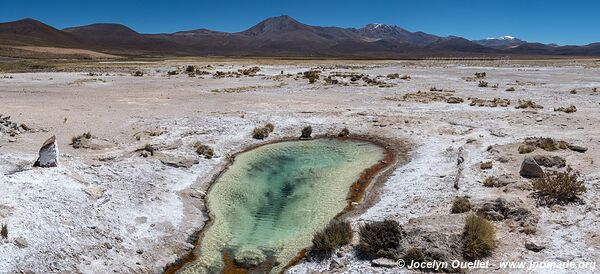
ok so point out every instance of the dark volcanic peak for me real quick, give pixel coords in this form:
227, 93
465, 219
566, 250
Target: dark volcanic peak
32, 32
277, 36
277, 24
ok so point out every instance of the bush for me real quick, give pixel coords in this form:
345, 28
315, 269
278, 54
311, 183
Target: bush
559, 187
306, 132
270, 127
4, 231
190, 69
312, 76
380, 239
335, 234
149, 148
344, 133
486, 165
138, 73
569, 109
393, 76
547, 144
413, 254
489, 181
79, 141
482, 84
461, 205
480, 74
524, 149
260, 133
479, 236
204, 150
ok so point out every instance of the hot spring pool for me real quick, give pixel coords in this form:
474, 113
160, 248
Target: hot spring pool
266, 206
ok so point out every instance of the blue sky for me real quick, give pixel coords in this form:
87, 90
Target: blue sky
549, 21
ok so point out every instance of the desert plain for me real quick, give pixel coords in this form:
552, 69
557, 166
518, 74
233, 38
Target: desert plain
130, 198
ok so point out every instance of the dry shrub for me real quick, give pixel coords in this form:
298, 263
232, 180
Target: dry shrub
270, 127
482, 84
479, 236
306, 132
393, 76
569, 109
204, 150
335, 234
489, 181
546, 143
413, 254
528, 104
344, 133
80, 141
559, 187
486, 165
260, 133
4, 231
524, 149
380, 239
461, 205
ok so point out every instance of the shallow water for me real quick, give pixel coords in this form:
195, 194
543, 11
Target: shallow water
267, 205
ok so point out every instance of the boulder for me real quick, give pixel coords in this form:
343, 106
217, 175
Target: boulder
531, 169
384, 262
48, 154
550, 161
580, 149
534, 247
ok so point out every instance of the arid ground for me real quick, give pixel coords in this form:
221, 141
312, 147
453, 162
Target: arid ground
128, 199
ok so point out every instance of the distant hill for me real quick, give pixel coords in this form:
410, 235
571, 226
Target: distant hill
275, 36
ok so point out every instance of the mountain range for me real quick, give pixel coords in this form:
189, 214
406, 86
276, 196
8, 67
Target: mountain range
280, 36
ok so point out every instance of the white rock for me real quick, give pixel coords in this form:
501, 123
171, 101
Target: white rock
48, 155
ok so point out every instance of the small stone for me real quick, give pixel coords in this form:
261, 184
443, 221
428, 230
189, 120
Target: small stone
108, 245
580, 149
539, 119
534, 247
530, 169
21, 242
384, 262
139, 251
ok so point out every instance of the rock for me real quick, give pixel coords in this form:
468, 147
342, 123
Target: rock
384, 262
550, 161
175, 161
139, 251
530, 169
539, 119
336, 263
95, 192
580, 149
48, 154
534, 247
454, 100
107, 245
249, 257
21, 242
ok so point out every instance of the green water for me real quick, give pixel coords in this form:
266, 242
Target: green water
272, 199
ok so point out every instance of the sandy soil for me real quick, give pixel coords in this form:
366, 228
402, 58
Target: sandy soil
109, 209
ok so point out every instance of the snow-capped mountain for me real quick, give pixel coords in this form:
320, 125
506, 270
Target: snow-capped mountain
502, 42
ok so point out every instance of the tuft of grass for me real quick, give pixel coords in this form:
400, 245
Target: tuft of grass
413, 254
559, 187
393, 76
260, 133
547, 144
138, 73
312, 76
486, 165
336, 234
344, 133
78, 141
524, 149
306, 132
270, 127
489, 181
461, 205
204, 150
482, 84
569, 109
479, 237
380, 238
149, 148
4, 231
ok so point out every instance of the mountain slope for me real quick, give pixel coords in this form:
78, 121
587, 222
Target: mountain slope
30, 32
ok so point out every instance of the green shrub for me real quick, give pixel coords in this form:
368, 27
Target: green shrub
380, 239
559, 187
4, 231
479, 237
335, 234
461, 205
306, 132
